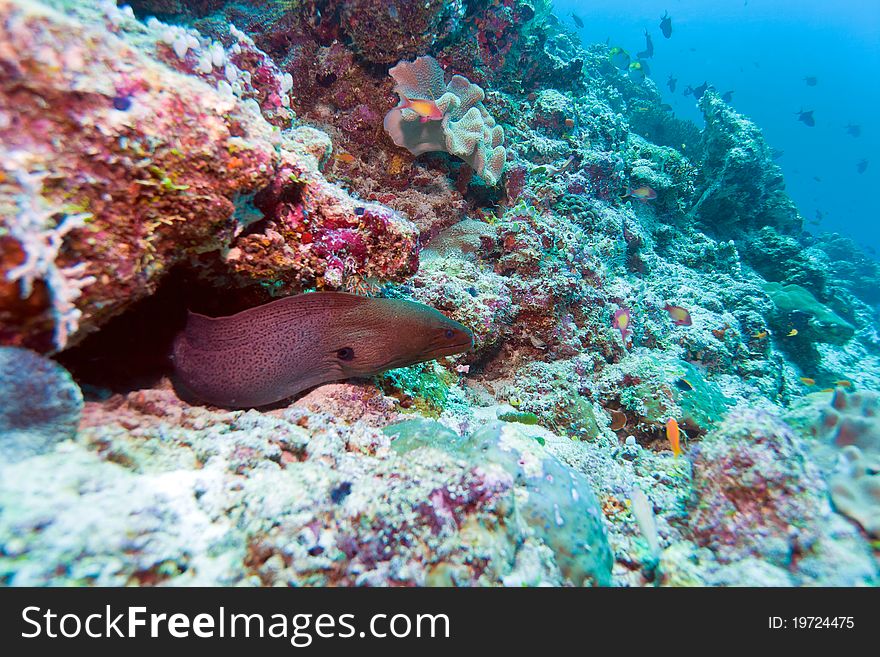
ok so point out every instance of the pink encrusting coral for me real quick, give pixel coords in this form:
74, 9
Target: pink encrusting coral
846, 427
758, 495
464, 127
383, 32
117, 167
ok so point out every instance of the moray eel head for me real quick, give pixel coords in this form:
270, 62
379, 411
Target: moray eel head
413, 334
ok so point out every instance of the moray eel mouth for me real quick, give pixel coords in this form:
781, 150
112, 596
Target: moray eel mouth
452, 349
440, 352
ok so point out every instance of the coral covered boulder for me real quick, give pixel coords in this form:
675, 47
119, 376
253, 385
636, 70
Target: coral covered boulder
553, 502
126, 151
756, 491
435, 116
739, 185
383, 32
41, 404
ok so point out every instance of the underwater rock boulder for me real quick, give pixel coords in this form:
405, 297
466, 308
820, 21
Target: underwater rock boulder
459, 123
781, 258
554, 501
41, 404
739, 186
757, 494
549, 112
465, 239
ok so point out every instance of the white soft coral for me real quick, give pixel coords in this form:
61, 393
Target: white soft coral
32, 226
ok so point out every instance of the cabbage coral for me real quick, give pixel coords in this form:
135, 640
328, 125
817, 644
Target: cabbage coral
458, 122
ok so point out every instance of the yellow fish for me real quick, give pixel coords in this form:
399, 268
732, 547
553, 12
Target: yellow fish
843, 383
760, 335
808, 381
791, 333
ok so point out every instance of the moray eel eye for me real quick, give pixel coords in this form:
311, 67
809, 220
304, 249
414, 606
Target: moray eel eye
449, 334
346, 353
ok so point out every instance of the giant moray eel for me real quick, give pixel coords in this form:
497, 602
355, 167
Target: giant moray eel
271, 352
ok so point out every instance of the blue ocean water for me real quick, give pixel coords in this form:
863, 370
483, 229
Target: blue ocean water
763, 50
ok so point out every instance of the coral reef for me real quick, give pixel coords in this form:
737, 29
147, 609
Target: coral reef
156, 168
227, 153
461, 127
739, 186
384, 33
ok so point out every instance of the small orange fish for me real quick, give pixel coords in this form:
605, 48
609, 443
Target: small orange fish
827, 390
721, 332
792, 333
641, 193
760, 335
843, 383
680, 316
807, 381
672, 435
426, 109
345, 158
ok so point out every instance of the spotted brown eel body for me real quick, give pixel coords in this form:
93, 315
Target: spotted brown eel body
274, 351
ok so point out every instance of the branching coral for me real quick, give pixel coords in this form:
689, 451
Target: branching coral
40, 241
453, 119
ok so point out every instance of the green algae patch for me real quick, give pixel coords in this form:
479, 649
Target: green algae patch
702, 402
427, 384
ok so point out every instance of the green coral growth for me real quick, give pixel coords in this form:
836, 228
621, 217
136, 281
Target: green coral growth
821, 323
426, 383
